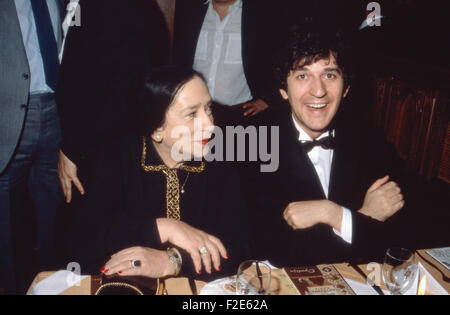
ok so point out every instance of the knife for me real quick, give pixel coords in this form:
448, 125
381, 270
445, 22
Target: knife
368, 280
192, 286
261, 289
444, 277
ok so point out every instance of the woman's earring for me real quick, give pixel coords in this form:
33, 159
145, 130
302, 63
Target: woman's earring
157, 138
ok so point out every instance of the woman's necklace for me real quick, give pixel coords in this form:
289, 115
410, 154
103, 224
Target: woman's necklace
185, 181
173, 189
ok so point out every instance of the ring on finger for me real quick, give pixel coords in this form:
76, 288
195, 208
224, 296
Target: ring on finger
136, 263
203, 250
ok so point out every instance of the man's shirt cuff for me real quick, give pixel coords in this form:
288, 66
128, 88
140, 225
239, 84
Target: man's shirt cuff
346, 226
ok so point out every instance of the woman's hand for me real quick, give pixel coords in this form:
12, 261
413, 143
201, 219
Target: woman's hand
154, 263
192, 240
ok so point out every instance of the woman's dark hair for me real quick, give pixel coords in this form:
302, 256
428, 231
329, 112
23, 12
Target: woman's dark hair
308, 43
156, 93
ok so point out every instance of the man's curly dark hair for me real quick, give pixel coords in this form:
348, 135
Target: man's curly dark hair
306, 45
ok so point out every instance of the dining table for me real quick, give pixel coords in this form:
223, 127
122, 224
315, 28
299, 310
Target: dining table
356, 274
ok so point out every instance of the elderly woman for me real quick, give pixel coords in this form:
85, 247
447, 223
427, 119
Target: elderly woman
153, 207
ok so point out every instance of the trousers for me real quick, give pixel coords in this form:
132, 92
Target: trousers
30, 179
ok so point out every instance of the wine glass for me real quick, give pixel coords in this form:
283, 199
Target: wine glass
253, 278
399, 270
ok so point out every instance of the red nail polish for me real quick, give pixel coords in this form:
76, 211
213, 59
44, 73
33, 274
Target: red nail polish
102, 269
106, 271
227, 256
120, 271
199, 272
218, 268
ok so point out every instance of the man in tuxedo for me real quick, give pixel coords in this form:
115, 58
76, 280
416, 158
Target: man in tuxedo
105, 55
230, 42
29, 134
333, 198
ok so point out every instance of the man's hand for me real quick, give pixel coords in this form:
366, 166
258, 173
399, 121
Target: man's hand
305, 214
383, 199
254, 107
67, 173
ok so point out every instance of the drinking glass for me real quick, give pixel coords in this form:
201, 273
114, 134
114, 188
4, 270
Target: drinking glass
399, 270
253, 278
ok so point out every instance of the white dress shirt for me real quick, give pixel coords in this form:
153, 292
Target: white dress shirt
218, 56
25, 14
322, 159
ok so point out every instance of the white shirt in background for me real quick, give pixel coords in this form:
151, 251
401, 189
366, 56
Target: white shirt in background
27, 23
218, 56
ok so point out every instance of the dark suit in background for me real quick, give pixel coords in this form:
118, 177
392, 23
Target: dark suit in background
29, 143
115, 44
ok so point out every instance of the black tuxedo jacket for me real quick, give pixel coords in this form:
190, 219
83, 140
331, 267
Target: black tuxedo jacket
116, 42
360, 157
260, 40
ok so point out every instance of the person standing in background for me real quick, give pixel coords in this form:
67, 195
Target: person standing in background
230, 42
30, 35
113, 45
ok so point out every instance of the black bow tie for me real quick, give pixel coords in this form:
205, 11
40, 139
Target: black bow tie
326, 143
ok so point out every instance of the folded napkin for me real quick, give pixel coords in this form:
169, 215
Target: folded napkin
362, 288
223, 286
432, 285
57, 283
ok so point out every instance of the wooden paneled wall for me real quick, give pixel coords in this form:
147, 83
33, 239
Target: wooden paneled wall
168, 9
444, 163
416, 121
